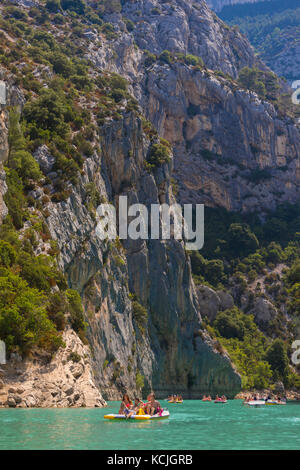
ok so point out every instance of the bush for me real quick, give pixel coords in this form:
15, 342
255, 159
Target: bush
193, 60
241, 240
49, 112
53, 5
78, 6
140, 315
14, 199
166, 57
8, 254
74, 357
23, 318
139, 380
159, 154
149, 58
277, 357
230, 324
76, 312
56, 309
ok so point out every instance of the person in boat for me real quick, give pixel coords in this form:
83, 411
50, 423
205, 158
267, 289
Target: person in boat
153, 406
223, 398
147, 405
126, 405
135, 410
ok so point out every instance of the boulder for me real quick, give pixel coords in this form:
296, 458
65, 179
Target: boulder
263, 311
30, 401
11, 402
211, 301
44, 159
77, 370
226, 300
17, 399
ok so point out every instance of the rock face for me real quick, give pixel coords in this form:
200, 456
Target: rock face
222, 136
212, 302
188, 27
44, 159
3, 156
66, 381
219, 134
264, 311
169, 350
3, 122
3, 189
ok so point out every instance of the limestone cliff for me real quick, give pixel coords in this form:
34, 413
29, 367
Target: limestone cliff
222, 136
65, 381
172, 353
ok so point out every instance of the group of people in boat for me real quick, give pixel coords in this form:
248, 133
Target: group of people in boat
175, 398
128, 408
257, 397
208, 398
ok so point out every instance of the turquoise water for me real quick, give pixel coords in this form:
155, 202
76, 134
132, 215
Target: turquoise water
192, 425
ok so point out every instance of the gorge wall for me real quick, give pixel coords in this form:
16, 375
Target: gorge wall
220, 134
172, 351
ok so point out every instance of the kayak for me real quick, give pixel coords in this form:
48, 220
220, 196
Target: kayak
165, 414
206, 399
220, 401
175, 402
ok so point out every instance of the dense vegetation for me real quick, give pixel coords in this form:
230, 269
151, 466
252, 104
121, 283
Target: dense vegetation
272, 27
258, 8
241, 256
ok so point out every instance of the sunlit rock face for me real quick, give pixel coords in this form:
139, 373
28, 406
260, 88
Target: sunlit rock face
172, 351
221, 135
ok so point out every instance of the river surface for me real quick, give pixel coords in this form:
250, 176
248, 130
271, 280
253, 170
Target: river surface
192, 425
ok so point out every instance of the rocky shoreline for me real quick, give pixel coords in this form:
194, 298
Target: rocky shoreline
65, 381
291, 395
